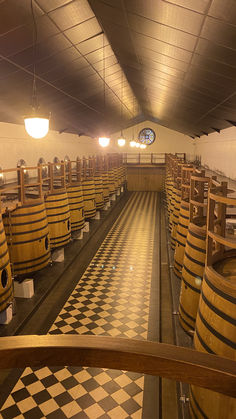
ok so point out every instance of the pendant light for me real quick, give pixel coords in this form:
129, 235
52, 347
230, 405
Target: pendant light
143, 146
36, 124
121, 141
104, 141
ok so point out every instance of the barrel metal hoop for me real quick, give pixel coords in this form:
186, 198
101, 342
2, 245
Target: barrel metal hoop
185, 312
29, 241
218, 335
32, 260
26, 214
27, 232
206, 347
196, 247
197, 405
187, 283
56, 215
217, 311
219, 292
25, 224
196, 235
194, 260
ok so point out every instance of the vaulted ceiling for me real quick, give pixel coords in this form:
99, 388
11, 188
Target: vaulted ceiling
169, 61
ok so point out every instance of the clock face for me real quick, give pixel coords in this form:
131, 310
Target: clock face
147, 136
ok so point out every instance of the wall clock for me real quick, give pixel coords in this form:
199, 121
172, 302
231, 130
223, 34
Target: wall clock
147, 136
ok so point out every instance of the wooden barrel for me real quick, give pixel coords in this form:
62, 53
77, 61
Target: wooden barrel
76, 205
171, 210
175, 215
169, 189
105, 185
6, 288
27, 235
99, 198
59, 223
111, 180
89, 198
216, 333
116, 179
192, 275
181, 236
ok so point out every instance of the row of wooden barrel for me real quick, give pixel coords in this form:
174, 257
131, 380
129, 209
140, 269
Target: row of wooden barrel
207, 307
30, 231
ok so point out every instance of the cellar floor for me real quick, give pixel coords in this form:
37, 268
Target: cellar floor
112, 288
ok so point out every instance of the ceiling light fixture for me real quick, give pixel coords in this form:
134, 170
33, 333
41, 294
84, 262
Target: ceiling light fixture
143, 146
132, 143
137, 144
36, 124
104, 141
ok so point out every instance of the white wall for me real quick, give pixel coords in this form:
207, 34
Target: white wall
16, 144
218, 152
167, 140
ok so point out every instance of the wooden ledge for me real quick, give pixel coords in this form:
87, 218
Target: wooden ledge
173, 362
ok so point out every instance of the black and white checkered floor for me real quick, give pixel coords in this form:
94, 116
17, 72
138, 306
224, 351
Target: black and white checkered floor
111, 299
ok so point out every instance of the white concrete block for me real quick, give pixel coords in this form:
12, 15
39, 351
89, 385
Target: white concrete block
122, 189
86, 227
24, 289
105, 208
6, 315
97, 216
113, 197
58, 255
78, 235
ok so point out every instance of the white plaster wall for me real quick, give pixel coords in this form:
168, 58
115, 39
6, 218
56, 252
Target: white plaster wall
16, 144
218, 152
167, 140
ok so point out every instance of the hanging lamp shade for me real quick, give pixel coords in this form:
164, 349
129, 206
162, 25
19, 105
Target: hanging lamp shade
104, 141
121, 142
132, 143
36, 126
143, 146
137, 144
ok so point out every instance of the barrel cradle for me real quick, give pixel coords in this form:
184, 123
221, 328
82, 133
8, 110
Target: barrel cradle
183, 221
75, 194
6, 285
195, 252
216, 318
57, 207
88, 189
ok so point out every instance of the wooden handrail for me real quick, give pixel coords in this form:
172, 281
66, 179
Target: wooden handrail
169, 361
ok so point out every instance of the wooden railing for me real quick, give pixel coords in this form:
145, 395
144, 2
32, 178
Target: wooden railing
173, 362
144, 158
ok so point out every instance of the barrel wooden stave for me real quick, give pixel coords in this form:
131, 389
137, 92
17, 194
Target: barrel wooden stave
59, 222
111, 180
76, 205
175, 215
89, 198
27, 235
6, 285
181, 236
99, 198
192, 275
105, 183
216, 333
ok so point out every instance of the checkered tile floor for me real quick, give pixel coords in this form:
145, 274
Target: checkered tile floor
111, 299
